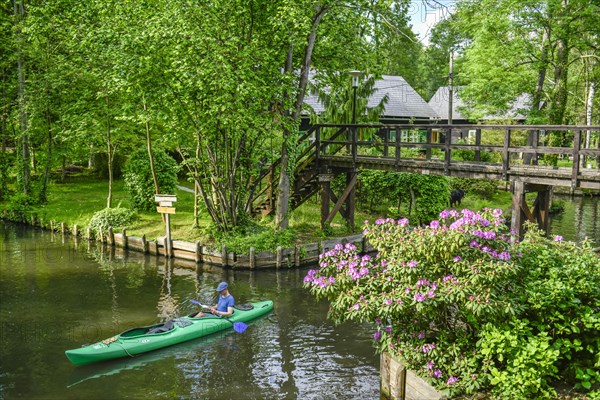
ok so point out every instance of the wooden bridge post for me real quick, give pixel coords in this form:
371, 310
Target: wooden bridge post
576, 150
518, 215
541, 209
520, 209
325, 183
351, 199
428, 140
506, 154
447, 151
478, 143
386, 140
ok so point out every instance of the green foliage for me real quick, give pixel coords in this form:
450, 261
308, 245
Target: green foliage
261, 237
138, 177
520, 362
19, 204
381, 187
485, 188
116, 217
469, 309
469, 155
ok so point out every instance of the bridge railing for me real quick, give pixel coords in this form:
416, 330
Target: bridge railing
570, 147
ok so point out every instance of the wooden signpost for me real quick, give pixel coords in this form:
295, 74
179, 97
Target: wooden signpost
165, 207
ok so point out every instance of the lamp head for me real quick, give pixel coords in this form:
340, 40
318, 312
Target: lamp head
355, 75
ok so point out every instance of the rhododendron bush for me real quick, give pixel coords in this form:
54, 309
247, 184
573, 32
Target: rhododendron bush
458, 300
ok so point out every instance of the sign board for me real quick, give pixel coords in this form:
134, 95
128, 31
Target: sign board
165, 203
166, 210
165, 197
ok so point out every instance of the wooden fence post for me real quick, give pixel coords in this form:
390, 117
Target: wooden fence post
144, 244
252, 259
198, 252
75, 230
278, 262
63, 229
297, 255
124, 234
224, 256
110, 237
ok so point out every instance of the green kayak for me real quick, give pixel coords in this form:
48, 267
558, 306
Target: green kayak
140, 340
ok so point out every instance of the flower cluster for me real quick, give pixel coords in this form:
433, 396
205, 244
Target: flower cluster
424, 278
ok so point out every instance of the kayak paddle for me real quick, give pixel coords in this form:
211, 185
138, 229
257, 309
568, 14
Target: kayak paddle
198, 303
239, 327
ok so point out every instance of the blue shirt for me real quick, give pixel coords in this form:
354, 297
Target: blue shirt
224, 302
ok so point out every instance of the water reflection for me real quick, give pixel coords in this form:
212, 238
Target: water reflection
56, 297
579, 219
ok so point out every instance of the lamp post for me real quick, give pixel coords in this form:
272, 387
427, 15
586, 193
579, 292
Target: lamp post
355, 75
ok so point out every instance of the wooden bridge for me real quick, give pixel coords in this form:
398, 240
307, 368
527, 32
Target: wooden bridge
509, 153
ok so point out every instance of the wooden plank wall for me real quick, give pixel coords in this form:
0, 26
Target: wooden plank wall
192, 254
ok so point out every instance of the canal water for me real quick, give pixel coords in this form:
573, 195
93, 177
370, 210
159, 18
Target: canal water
56, 294
579, 220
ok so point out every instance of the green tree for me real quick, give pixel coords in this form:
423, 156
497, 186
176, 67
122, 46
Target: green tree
139, 181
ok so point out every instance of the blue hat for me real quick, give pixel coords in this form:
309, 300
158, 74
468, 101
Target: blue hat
222, 286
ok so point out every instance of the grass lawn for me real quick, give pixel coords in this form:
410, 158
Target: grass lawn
76, 201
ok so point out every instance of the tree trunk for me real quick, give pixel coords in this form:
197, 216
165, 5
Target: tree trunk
283, 190
110, 156
19, 9
46, 174
3, 139
589, 107
150, 156
536, 102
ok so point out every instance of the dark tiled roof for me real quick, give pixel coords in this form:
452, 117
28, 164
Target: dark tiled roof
440, 100
439, 104
403, 100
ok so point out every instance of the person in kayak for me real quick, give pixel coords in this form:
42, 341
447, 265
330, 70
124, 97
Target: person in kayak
225, 303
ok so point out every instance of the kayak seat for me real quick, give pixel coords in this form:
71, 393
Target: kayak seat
167, 326
182, 322
244, 307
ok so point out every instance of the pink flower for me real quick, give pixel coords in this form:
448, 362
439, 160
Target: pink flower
452, 380
437, 373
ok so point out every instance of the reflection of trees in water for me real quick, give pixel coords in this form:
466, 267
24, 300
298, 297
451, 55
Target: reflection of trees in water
578, 220
167, 305
107, 267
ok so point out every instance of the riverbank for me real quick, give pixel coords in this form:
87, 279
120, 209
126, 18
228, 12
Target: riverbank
71, 205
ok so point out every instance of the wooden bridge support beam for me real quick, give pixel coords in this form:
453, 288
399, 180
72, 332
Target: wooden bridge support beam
346, 198
325, 193
521, 211
351, 178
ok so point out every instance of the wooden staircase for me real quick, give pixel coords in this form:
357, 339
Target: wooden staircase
305, 179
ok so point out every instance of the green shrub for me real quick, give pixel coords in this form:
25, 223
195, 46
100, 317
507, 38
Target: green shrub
139, 182
116, 217
18, 206
262, 238
470, 309
481, 187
